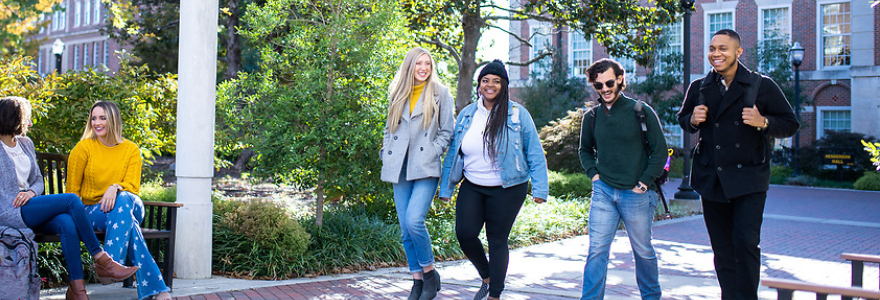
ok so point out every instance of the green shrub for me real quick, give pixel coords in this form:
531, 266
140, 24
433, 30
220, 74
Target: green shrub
154, 191
801, 180
561, 140
779, 174
570, 185
548, 97
868, 182
256, 239
810, 162
553, 220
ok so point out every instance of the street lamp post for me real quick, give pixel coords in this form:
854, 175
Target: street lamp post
685, 191
797, 56
57, 49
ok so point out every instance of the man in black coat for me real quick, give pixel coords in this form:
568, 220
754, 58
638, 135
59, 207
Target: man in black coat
731, 169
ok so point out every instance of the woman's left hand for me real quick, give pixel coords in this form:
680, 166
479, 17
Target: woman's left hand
109, 199
22, 198
539, 200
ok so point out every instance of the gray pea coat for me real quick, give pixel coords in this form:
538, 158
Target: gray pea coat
10, 215
423, 147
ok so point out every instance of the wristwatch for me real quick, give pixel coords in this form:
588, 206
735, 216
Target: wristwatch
643, 188
766, 123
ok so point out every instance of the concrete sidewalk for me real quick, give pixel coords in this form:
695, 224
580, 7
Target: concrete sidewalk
804, 232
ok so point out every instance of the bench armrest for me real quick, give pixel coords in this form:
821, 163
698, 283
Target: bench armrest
861, 257
794, 285
163, 204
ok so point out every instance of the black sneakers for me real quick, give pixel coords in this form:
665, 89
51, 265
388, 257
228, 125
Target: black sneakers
483, 293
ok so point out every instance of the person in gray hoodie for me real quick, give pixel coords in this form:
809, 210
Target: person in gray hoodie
417, 131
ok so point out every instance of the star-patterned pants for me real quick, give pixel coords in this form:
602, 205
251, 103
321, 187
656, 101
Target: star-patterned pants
125, 243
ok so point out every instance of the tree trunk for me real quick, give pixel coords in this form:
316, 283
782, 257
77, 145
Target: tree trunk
319, 203
233, 43
243, 159
471, 24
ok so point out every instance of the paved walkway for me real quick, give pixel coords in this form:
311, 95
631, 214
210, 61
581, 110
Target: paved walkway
804, 232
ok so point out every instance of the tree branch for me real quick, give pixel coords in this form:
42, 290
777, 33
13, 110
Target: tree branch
448, 48
521, 15
537, 58
520, 39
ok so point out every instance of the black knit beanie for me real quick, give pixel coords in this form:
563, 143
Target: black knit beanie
496, 67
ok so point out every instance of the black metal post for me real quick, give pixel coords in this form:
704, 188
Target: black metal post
797, 115
685, 191
58, 63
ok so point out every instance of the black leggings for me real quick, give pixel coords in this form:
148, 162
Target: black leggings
496, 207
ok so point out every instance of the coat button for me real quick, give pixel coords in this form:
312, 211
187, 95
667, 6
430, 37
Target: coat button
395, 137
739, 166
389, 152
736, 123
421, 148
716, 125
426, 134
737, 145
719, 169
718, 147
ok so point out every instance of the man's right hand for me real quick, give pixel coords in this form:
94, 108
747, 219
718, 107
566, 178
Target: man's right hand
595, 177
699, 115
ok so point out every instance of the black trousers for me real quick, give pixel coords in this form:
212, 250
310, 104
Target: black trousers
496, 207
735, 232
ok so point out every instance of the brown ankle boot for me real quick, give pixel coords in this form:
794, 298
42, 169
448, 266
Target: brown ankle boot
77, 290
109, 271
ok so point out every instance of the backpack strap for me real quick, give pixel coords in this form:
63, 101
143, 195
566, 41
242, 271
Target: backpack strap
643, 124
752, 93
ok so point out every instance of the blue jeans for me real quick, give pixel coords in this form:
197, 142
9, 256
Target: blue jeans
125, 242
607, 208
63, 214
412, 199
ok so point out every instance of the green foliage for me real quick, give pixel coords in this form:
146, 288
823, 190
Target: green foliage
801, 180
154, 191
561, 140
780, 174
20, 23
868, 182
314, 112
873, 150
256, 239
658, 87
548, 97
151, 27
810, 162
147, 101
564, 185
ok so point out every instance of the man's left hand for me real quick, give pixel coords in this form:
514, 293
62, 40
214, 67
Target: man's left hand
753, 117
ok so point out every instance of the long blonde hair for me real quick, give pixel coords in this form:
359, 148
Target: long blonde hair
114, 123
401, 89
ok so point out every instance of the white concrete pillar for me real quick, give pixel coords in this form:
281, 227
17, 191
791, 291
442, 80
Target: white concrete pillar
195, 136
865, 88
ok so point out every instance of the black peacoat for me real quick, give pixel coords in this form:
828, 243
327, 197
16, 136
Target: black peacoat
731, 158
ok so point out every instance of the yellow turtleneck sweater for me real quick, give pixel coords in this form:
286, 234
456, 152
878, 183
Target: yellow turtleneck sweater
414, 98
93, 167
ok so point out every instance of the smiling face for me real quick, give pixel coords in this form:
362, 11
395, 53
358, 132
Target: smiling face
608, 94
422, 70
99, 122
723, 53
490, 86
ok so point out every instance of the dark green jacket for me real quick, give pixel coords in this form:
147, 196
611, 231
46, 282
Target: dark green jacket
620, 158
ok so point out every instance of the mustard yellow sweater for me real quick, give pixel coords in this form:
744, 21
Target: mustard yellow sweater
414, 97
93, 167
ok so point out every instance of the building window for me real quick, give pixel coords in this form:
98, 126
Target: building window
76, 57
106, 53
40, 62
837, 120
86, 55
77, 12
836, 34
95, 52
60, 19
87, 12
42, 19
717, 21
581, 54
673, 132
97, 13
629, 67
672, 46
540, 41
775, 32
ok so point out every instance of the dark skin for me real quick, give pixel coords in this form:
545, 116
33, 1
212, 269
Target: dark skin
724, 51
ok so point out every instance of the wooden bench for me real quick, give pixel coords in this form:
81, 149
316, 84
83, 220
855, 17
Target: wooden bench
158, 227
785, 289
858, 267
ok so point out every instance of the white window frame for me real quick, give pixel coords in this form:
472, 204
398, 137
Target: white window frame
673, 132
86, 55
571, 50
87, 12
761, 36
42, 19
820, 53
630, 67
76, 57
820, 118
63, 18
707, 37
77, 14
106, 53
97, 13
658, 65
40, 62
535, 48
95, 53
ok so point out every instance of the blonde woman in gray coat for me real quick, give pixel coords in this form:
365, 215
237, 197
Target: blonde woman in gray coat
417, 132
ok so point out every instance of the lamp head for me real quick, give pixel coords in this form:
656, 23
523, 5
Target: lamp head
797, 54
57, 47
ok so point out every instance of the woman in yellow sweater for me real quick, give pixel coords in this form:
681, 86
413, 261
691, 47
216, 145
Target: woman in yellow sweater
104, 170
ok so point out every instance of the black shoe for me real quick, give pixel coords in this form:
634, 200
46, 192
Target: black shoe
483, 293
416, 289
432, 285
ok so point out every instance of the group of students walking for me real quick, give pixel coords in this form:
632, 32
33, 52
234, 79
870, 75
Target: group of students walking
493, 153
103, 180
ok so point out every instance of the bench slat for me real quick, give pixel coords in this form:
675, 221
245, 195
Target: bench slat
819, 288
861, 257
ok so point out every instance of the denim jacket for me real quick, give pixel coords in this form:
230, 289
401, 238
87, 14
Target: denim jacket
519, 159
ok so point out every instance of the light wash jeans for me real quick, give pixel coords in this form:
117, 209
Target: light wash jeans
125, 242
607, 207
412, 200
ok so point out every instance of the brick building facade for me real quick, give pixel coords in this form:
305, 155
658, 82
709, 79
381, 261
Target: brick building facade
78, 27
840, 72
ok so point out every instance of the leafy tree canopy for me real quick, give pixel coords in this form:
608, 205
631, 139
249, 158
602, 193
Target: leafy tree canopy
19, 21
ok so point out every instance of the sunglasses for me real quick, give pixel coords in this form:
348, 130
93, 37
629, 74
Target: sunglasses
610, 84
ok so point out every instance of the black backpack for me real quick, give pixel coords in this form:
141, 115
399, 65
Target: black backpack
643, 124
18, 268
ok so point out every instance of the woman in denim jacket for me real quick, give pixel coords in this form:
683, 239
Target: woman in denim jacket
494, 160
417, 131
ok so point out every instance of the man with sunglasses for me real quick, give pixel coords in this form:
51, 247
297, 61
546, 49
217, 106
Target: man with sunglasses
613, 153
731, 169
